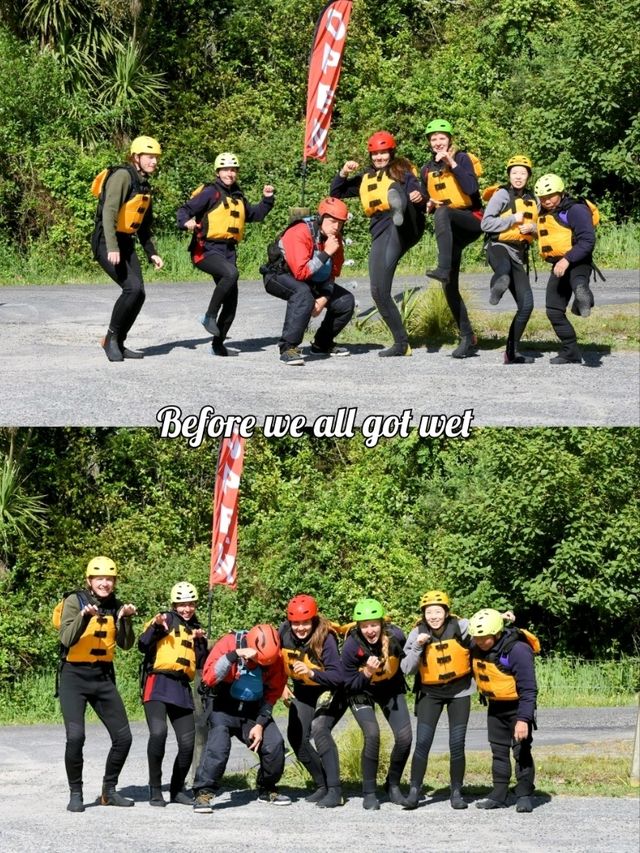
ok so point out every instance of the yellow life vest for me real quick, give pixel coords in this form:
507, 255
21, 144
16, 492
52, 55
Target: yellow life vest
291, 654
555, 237
374, 190
132, 212
225, 220
97, 643
526, 205
176, 651
445, 658
442, 185
490, 675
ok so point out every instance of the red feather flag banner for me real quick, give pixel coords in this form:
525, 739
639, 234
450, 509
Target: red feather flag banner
325, 64
224, 536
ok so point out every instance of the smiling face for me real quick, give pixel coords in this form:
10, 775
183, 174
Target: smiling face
101, 586
185, 609
302, 629
371, 630
146, 163
434, 616
439, 142
518, 176
228, 175
380, 159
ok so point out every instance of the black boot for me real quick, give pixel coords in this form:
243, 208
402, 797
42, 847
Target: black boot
332, 799
395, 350
468, 346
210, 325
371, 803
75, 803
319, 794
413, 797
395, 794
110, 797
155, 797
218, 347
396, 203
129, 353
498, 289
110, 346
439, 275
569, 354
524, 805
456, 798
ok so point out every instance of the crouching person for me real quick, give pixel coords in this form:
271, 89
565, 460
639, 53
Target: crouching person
503, 667
303, 265
245, 677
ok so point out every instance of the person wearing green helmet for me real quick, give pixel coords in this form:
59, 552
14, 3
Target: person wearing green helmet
174, 646
215, 215
504, 671
125, 211
437, 654
371, 659
93, 622
451, 179
566, 239
509, 223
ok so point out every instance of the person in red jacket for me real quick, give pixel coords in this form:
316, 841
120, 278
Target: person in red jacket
245, 677
302, 269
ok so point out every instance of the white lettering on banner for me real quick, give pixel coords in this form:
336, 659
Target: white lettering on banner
331, 58
226, 514
324, 98
341, 30
225, 566
235, 449
230, 480
318, 137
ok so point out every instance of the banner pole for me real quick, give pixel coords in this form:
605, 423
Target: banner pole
304, 180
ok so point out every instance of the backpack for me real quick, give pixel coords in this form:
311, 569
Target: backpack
276, 262
56, 614
595, 213
248, 686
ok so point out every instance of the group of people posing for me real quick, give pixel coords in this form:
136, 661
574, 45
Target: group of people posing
305, 260
320, 670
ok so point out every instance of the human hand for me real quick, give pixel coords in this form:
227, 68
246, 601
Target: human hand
255, 737
319, 306
415, 196
113, 258
127, 610
518, 217
422, 638
246, 654
521, 730
89, 610
157, 261
190, 224
331, 244
527, 228
301, 668
560, 267
161, 620
267, 190
349, 166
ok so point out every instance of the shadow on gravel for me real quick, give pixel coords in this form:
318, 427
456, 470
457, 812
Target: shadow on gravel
163, 349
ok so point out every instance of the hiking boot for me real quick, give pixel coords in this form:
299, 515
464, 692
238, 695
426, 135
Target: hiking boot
524, 805
456, 799
370, 803
218, 348
182, 799
413, 798
292, 356
75, 803
396, 349
156, 798
110, 346
498, 289
333, 798
129, 353
396, 203
518, 359
439, 275
583, 300
467, 347
210, 325
490, 804
203, 803
566, 359
110, 797
333, 350
317, 795
395, 794
273, 797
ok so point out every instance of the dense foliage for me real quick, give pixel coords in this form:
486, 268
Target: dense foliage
543, 521
559, 79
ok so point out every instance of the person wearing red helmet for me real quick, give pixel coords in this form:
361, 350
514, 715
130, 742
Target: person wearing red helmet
450, 177
393, 198
312, 662
243, 678
303, 266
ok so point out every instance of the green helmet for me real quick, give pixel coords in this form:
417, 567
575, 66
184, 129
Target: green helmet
226, 160
549, 185
439, 125
485, 623
367, 608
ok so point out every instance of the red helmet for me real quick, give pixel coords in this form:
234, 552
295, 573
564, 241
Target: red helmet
333, 207
381, 141
265, 639
301, 608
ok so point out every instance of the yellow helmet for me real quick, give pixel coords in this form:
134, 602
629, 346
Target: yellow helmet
145, 145
435, 596
101, 567
226, 160
485, 623
520, 160
183, 593
549, 185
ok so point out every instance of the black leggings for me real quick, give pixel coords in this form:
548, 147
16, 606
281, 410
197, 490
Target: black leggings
307, 723
386, 250
396, 714
428, 710
224, 299
500, 726
559, 293
502, 263
455, 230
128, 275
86, 683
183, 724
